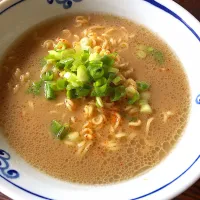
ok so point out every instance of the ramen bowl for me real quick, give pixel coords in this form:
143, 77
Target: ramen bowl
179, 170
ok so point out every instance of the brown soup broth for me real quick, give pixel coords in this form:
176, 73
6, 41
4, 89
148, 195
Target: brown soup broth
26, 118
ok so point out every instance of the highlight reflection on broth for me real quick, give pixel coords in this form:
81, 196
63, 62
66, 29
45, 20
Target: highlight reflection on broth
92, 99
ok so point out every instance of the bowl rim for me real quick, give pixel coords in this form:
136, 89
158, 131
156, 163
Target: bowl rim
172, 8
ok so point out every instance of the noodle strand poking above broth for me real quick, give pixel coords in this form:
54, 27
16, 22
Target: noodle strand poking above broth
93, 91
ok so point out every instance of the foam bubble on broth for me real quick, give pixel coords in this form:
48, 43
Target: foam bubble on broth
29, 135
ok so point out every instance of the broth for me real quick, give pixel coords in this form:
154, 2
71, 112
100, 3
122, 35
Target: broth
26, 118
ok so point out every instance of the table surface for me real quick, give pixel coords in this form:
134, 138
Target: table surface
193, 193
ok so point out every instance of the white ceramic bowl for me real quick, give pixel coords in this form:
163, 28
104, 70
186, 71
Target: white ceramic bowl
179, 170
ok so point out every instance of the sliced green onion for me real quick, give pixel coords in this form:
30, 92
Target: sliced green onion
100, 91
49, 92
94, 57
35, 88
70, 86
150, 49
133, 95
73, 136
76, 64
60, 65
82, 74
100, 82
47, 76
49, 60
82, 92
117, 80
158, 56
108, 60
61, 84
85, 56
71, 94
54, 55
95, 69
146, 108
142, 86
67, 53
111, 76
77, 92
55, 126
59, 130
136, 97
95, 63
53, 85
130, 91
113, 70
71, 77
119, 92
65, 63
99, 102
76, 84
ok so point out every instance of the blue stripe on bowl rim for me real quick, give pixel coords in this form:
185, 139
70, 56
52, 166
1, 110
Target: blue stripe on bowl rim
167, 10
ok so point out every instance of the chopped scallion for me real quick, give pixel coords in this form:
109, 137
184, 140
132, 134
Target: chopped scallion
96, 69
142, 86
108, 60
100, 91
54, 55
59, 130
146, 108
99, 102
119, 92
35, 88
113, 70
61, 84
82, 92
130, 91
73, 136
100, 82
82, 74
94, 57
158, 56
71, 94
148, 50
47, 76
136, 97
117, 80
49, 92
